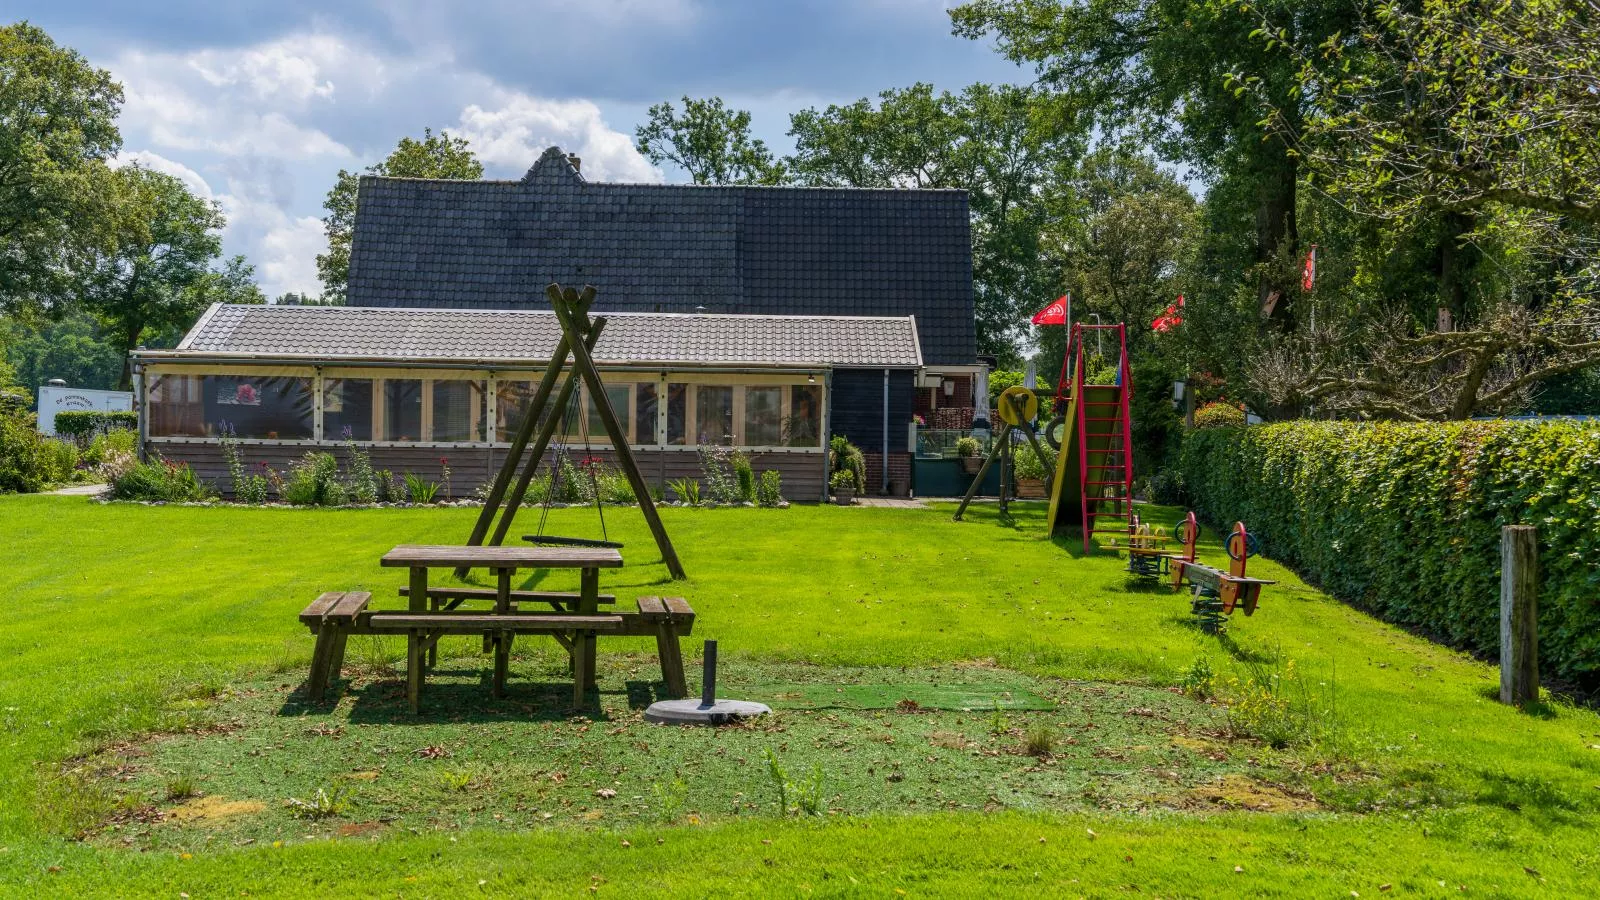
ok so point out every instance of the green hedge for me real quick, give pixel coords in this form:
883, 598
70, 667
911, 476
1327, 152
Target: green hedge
83, 425
1404, 519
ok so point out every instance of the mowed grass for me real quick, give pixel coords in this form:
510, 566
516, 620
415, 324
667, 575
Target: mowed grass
126, 619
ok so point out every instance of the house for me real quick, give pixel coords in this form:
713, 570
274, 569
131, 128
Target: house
767, 318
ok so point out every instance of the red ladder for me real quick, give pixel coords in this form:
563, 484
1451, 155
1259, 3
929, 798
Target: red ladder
1105, 438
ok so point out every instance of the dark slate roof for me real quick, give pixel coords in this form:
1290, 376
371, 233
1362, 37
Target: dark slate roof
669, 248
523, 336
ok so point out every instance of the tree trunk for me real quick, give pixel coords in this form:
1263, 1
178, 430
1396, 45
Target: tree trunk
1456, 262
1276, 228
130, 343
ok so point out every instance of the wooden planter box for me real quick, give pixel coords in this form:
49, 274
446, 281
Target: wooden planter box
1030, 489
971, 464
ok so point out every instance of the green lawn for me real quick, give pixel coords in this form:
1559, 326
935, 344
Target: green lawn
130, 621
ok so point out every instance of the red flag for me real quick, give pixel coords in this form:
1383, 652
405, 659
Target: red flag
1309, 277
1169, 319
1054, 314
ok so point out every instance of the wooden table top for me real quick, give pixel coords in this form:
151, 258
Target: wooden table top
408, 555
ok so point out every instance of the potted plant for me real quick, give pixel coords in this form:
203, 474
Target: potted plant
1031, 472
968, 449
843, 483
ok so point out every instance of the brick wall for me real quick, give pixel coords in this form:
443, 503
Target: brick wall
899, 467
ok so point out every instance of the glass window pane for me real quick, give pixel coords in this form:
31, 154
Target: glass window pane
457, 410
617, 394
175, 407
644, 417
511, 404
402, 409
347, 409
803, 428
677, 414
763, 416
713, 413
272, 407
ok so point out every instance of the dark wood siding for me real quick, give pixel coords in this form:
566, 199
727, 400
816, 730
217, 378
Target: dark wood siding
802, 473
857, 408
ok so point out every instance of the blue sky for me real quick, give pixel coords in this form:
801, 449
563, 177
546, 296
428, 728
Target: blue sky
258, 105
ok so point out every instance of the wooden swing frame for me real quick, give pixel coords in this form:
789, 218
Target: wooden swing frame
579, 333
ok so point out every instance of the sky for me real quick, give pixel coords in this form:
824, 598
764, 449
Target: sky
259, 105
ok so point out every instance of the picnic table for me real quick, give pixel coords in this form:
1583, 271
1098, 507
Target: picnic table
574, 621
500, 613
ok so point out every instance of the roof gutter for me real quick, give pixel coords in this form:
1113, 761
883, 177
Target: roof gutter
157, 356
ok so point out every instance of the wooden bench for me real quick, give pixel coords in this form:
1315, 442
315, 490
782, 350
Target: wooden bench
331, 617
668, 619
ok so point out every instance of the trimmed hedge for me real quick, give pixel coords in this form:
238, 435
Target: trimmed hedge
84, 424
1404, 519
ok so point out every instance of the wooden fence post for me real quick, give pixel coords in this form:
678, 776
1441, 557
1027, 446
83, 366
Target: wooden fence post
1519, 614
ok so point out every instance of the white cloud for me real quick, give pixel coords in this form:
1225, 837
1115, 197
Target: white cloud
515, 131
271, 123
155, 162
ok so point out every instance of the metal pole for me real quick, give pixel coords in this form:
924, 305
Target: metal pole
708, 676
885, 485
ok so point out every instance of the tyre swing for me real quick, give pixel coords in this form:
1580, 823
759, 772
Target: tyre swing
560, 453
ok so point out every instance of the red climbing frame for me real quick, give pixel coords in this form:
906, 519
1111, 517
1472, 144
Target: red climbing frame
1103, 431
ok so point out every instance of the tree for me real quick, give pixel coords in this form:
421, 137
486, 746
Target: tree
158, 277
435, 156
709, 141
1134, 223
57, 129
1158, 68
1468, 128
75, 348
1001, 144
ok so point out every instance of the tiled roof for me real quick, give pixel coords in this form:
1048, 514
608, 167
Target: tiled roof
488, 336
669, 248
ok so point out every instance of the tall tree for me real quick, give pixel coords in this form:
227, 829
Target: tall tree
1467, 127
1129, 226
1159, 68
999, 143
708, 141
57, 129
434, 156
159, 275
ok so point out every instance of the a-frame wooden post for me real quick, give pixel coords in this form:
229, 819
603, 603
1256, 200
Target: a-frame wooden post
578, 337
574, 319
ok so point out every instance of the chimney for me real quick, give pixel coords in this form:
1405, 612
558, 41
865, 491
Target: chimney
577, 162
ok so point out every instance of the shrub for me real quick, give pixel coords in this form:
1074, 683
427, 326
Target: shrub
770, 491
419, 489
159, 480
744, 476
717, 473
1404, 519
314, 481
1029, 466
1218, 415
844, 456
82, 425
383, 483
968, 446
117, 440
842, 480
687, 489
362, 486
29, 461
